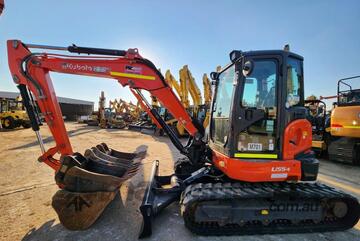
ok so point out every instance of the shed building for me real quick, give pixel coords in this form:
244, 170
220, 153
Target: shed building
70, 108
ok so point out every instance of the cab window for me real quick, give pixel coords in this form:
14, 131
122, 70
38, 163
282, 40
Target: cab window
294, 78
222, 105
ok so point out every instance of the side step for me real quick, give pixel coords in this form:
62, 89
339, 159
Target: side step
90, 182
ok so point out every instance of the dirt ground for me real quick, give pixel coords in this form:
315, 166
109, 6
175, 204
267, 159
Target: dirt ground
27, 186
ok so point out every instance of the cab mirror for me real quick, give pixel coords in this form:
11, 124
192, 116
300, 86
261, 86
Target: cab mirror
247, 68
214, 75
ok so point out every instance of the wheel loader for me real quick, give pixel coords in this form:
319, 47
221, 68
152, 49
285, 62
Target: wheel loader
254, 173
12, 114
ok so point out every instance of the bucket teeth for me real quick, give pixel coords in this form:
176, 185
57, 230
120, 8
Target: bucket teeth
107, 164
139, 153
93, 178
120, 161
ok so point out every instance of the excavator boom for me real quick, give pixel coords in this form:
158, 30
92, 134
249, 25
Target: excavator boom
95, 177
31, 71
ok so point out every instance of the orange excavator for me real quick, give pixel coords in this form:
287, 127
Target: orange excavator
254, 174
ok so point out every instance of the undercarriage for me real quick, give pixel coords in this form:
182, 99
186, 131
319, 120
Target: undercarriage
215, 205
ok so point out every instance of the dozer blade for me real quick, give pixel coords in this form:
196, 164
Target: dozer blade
90, 183
156, 199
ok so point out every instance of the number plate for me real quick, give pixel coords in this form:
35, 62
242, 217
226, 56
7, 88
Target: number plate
254, 146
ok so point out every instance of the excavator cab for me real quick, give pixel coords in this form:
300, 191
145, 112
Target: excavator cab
347, 95
256, 97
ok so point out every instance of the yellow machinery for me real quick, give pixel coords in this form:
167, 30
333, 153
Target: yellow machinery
129, 111
344, 128
187, 80
93, 119
317, 117
134, 110
106, 117
114, 105
179, 88
12, 114
102, 119
187, 85
199, 109
207, 99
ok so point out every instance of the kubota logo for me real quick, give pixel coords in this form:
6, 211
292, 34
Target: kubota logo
85, 67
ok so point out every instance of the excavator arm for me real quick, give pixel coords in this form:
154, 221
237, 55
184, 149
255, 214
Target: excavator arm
170, 79
192, 87
30, 71
207, 90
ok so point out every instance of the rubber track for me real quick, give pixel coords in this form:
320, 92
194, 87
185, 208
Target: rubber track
196, 193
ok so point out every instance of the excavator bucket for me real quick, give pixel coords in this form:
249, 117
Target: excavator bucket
90, 182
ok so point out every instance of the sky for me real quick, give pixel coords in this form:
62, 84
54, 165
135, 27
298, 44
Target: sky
197, 33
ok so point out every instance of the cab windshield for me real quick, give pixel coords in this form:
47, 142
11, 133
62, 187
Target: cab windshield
222, 105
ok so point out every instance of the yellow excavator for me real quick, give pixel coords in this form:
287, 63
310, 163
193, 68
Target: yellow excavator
182, 93
12, 114
106, 117
343, 141
187, 80
183, 88
207, 99
144, 121
135, 110
199, 109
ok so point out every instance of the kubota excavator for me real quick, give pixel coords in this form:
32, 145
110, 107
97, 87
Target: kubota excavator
254, 174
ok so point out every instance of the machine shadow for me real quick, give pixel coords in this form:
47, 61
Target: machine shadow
71, 133
11, 130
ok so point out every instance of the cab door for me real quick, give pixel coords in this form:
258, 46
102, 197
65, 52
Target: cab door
256, 121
